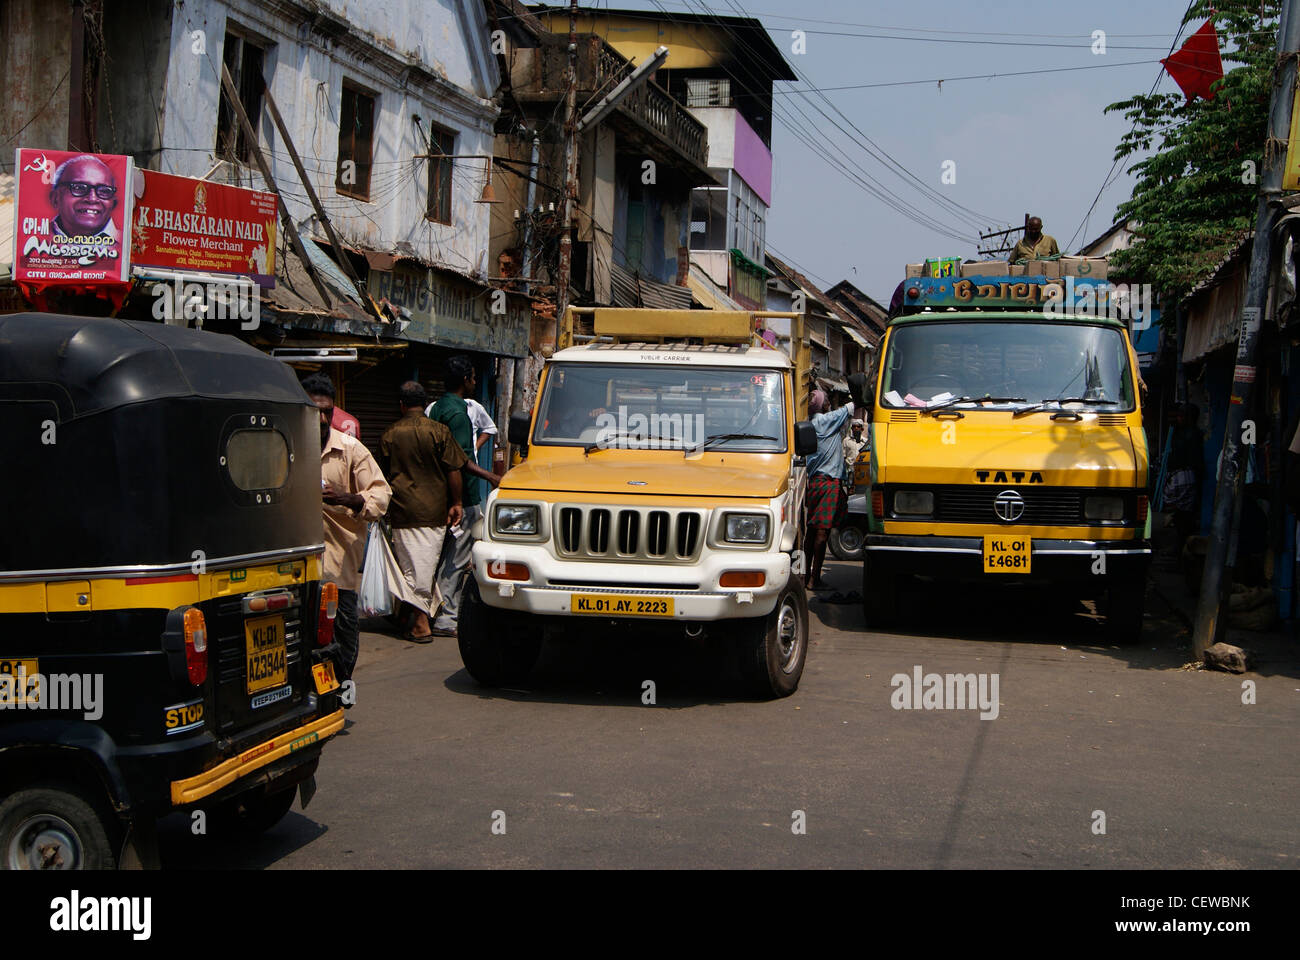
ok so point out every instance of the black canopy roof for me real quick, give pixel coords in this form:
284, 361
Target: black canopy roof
92, 364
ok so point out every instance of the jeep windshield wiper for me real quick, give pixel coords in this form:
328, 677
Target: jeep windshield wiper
984, 399
718, 437
606, 441
1034, 408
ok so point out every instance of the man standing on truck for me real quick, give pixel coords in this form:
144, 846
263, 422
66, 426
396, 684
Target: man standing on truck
826, 500
1035, 245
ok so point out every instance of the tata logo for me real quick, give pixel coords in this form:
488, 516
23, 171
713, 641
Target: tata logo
1001, 476
1009, 506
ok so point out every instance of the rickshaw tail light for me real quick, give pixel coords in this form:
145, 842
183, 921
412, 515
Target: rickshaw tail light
196, 646
329, 608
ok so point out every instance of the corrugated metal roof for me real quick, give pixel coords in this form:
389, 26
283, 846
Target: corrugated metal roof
629, 290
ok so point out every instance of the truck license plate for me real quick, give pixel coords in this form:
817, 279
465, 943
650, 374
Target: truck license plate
621, 606
1003, 554
264, 644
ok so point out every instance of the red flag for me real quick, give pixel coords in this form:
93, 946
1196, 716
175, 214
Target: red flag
1197, 64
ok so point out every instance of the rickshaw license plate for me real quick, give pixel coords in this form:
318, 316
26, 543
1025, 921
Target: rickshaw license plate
1006, 554
621, 606
323, 674
20, 682
264, 643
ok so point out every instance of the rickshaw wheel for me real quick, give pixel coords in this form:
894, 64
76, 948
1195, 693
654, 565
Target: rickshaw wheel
253, 813
53, 827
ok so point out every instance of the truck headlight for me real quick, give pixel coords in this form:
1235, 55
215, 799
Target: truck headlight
747, 528
516, 520
1103, 508
916, 503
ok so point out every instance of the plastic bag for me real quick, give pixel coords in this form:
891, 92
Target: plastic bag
375, 599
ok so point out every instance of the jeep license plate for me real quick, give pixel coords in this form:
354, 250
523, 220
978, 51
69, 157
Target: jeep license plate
614, 606
1003, 554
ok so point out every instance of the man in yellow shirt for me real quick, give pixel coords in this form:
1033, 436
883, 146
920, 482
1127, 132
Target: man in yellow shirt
1035, 245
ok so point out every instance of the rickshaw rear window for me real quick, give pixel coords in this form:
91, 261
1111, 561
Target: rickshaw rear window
257, 459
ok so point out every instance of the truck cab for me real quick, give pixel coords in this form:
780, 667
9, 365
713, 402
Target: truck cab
1007, 444
661, 492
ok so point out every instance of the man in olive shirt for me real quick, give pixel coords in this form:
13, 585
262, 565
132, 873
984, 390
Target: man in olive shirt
422, 462
452, 411
1035, 245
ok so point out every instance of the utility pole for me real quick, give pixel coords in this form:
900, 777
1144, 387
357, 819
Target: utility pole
570, 171
1213, 586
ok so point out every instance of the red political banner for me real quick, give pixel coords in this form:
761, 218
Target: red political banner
69, 213
192, 225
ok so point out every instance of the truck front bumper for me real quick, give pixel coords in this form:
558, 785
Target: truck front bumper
694, 588
963, 557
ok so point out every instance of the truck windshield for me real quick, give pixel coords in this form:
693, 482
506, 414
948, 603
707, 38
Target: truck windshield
1006, 363
663, 407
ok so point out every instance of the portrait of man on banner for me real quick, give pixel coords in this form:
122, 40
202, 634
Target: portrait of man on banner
71, 212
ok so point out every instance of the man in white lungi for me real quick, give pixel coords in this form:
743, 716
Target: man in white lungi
422, 462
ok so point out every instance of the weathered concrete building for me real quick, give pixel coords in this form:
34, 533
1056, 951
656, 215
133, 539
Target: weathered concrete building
389, 106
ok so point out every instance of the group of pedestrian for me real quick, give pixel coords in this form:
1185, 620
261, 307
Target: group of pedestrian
426, 480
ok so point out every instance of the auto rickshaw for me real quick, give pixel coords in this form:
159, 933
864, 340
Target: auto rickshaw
165, 637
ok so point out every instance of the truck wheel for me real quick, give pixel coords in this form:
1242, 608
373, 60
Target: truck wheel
847, 543
495, 647
53, 827
879, 594
251, 814
771, 650
1125, 603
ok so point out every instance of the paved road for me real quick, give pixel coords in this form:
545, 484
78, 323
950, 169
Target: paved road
587, 776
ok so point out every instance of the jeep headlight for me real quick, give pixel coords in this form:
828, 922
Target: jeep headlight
746, 528
914, 503
516, 520
1103, 508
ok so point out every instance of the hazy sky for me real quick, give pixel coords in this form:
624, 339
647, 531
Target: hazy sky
1037, 144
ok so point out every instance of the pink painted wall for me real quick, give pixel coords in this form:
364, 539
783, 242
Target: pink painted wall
753, 161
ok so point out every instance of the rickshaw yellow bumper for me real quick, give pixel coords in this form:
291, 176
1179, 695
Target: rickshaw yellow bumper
254, 758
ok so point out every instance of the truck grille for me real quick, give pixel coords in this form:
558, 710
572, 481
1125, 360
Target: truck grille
645, 533
1043, 506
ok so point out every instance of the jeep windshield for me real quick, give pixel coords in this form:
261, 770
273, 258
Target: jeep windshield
1008, 364
599, 406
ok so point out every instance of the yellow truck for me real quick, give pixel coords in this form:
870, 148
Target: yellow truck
661, 492
1007, 444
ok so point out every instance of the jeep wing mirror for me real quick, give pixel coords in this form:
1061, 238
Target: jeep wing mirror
805, 439
517, 432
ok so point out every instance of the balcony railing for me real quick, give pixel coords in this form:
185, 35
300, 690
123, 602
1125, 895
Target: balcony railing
539, 74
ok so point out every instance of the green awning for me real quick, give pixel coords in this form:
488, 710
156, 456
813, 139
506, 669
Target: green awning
748, 265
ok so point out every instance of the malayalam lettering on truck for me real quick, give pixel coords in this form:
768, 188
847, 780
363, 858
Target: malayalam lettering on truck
1006, 444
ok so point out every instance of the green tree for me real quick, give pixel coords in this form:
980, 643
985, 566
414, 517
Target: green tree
1194, 198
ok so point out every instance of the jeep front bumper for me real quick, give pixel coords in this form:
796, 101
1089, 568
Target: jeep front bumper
694, 588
